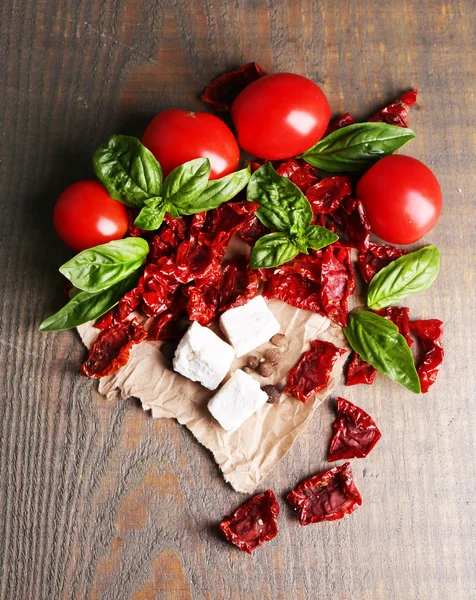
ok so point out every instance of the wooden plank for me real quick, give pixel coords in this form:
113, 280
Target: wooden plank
96, 499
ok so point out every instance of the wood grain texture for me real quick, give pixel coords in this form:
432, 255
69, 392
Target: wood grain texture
97, 501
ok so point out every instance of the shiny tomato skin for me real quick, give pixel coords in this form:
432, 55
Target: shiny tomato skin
176, 136
402, 199
279, 116
85, 216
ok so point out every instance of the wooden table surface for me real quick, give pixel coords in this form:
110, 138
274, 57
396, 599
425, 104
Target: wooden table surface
98, 501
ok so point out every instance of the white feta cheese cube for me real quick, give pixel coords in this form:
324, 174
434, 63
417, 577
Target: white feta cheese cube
202, 356
249, 326
237, 400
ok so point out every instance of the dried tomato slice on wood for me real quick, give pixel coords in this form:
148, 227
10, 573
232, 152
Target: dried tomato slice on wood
359, 371
397, 112
313, 371
326, 496
326, 195
375, 257
337, 281
339, 122
429, 333
355, 432
254, 523
222, 91
112, 349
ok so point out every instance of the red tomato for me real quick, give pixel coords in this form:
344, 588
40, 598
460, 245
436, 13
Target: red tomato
402, 198
85, 216
279, 116
176, 136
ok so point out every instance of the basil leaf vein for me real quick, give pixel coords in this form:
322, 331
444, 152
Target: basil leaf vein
356, 147
150, 217
377, 341
87, 306
128, 170
407, 275
99, 268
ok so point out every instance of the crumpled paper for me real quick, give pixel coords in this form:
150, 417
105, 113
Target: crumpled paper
247, 455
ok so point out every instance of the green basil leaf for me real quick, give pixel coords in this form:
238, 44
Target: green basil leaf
129, 171
272, 250
282, 204
86, 306
357, 147
187, 182
101, 267
318, 237
377, 341
217, 192
150, 218
407, 275
172, 211
153, 202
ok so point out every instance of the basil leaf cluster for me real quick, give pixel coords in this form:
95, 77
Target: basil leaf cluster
132, 175
283, 207
102, 275
356, 147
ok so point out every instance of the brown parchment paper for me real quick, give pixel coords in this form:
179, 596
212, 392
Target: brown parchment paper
247, 455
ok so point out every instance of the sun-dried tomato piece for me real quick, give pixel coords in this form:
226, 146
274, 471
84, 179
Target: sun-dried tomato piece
252, 231
359, 371
226, 221
298, 283
132, 230
377, 256
112, 349
429, 333
337, 282
313, 371
326, 195
254, 523
326, 496
351, 218
302, 174
399, 315
339, 122
222, 91
355, 432
397, 112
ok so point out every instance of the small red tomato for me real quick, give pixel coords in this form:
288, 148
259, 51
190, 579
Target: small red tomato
402, 199
279, 116
85, 216
176, 136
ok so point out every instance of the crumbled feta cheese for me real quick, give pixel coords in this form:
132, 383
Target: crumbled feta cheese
249, 326
202, 356
237, 400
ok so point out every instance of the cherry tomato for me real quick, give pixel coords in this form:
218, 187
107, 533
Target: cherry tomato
279, 116
402, 199
176, 136
85, 216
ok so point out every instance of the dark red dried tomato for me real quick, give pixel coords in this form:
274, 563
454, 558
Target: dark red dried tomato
313, 371
132, 230
298, 283
429, 333
222, 91
226, 221
339, 122
112, 349
377, 256
359, 371
397, 112
326, 496
337, 281
399, 315
252, 231
351, 218
355, 432
327, 195
254, 523
302, 174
